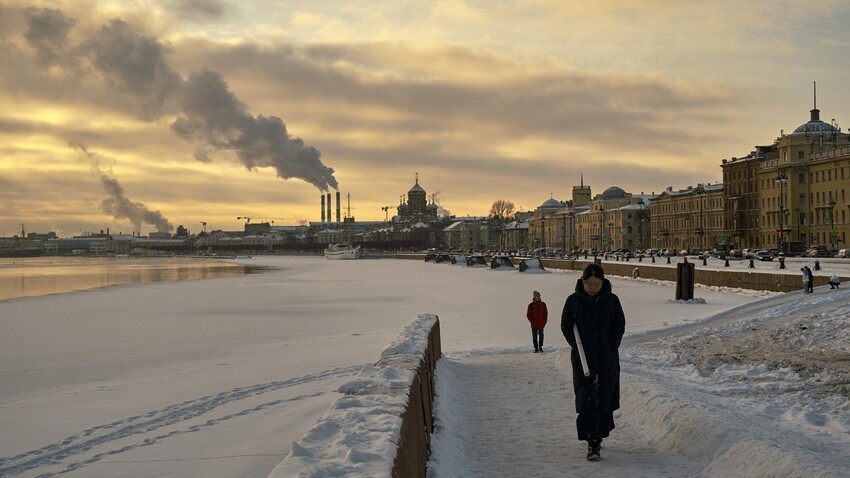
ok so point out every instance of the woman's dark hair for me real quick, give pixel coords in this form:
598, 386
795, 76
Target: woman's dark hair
593, 270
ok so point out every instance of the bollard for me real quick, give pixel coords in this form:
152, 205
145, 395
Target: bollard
752, 265
782, 263
627, 258
640, 258
704, 261
685, 280
585, 255
653, 259
817, 265
727, 263
668, 259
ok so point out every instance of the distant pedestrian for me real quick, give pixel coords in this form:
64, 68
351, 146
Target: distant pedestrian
597, 315
810, 284
805, 280
537, 316
834, 281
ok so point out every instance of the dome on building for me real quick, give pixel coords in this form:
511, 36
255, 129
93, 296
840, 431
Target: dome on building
613, 193
816, 127
432, 206
551, 203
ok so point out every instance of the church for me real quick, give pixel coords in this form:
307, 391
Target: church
416, 209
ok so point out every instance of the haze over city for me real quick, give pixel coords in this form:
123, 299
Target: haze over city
176, 112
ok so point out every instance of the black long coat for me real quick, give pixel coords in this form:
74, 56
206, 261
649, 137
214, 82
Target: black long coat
601, 324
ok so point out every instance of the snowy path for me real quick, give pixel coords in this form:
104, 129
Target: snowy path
513, 412
759, 390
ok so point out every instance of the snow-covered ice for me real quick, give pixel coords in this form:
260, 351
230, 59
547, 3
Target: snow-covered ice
219, 377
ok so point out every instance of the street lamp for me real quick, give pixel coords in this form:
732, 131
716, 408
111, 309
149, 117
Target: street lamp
832, 230
701, 193
781, 179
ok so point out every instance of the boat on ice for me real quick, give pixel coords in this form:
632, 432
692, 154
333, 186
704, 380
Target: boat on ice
342, 251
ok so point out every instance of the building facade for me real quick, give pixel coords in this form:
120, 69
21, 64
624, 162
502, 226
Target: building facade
741, 197
689, 219
804, 189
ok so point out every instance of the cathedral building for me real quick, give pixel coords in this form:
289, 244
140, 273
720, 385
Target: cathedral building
416, 209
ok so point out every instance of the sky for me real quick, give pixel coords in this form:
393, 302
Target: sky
148, 114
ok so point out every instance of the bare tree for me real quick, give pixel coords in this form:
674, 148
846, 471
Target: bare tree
502, 209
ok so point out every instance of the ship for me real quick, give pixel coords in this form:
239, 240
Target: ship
342, 251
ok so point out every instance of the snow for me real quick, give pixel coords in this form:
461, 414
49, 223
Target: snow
229, 377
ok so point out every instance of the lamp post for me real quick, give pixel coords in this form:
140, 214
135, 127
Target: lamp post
701, 194
781, 179
832, 229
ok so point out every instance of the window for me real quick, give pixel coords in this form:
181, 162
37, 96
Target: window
802, 199
799, 155
801, 178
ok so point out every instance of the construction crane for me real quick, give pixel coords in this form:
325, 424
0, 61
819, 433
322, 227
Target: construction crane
386, 210
203, 223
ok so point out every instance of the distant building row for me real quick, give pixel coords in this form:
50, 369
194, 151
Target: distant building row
792, 194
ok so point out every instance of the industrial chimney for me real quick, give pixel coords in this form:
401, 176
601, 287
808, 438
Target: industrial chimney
338, 209
323, 208
329, 208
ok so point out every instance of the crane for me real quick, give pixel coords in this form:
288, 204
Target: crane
386, 210
203, 223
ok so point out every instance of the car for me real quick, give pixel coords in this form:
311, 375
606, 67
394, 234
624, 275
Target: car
763, 255
843, 253
818, 251
735, 253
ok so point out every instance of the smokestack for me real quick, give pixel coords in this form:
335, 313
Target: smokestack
323, 208
329, 208
338, 208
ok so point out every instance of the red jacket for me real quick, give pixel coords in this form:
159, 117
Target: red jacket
537, 314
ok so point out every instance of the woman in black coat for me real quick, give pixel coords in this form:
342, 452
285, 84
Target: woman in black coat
601, 323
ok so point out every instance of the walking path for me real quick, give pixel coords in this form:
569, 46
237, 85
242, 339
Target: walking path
514, 413
760, 390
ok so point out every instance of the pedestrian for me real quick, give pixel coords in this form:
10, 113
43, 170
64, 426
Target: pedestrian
597, 315
834, 281
805, 280
810, 284
537, 316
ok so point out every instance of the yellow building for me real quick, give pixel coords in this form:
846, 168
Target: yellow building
804, 189
690, 219
613, 220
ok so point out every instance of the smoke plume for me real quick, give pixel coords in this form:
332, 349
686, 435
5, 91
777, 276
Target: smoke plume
207, 113
117, 204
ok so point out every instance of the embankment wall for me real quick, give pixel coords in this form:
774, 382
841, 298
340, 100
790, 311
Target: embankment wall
753, 279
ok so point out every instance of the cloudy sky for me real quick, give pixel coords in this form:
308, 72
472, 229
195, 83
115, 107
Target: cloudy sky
146, 114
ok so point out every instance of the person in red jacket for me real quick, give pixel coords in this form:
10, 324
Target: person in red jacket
537, 316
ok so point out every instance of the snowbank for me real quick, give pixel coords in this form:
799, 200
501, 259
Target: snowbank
377, 426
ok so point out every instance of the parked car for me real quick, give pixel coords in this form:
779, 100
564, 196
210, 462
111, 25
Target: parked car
735, 253
763, 255
843, 253
818, 251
